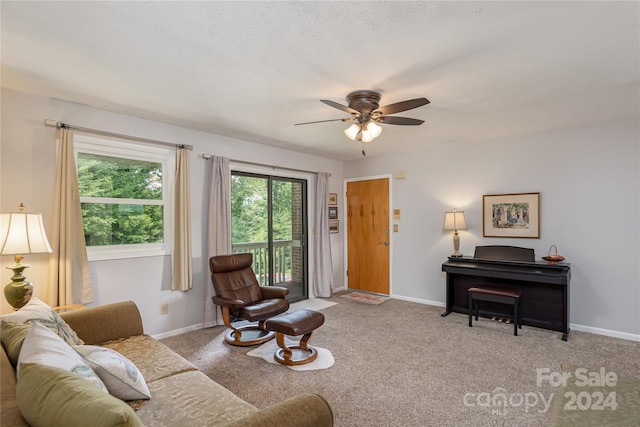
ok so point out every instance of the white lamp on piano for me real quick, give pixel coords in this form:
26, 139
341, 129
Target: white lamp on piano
455, 221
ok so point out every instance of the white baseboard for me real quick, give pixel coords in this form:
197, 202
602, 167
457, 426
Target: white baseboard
177, 331
419, 300
605, 332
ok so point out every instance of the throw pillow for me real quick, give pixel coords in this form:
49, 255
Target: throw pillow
122, 378
50, 396
43, 346
12, 336
37, 311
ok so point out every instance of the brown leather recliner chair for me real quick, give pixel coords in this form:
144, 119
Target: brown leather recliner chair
242, 298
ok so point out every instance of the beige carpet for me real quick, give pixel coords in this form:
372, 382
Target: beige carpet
401, 364
587, 396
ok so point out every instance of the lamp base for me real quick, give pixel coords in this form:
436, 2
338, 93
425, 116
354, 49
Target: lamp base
456, 245
18, 293
456, 256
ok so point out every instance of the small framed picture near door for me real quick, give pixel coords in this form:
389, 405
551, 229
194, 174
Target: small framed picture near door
333, 212
333, 199
334, 226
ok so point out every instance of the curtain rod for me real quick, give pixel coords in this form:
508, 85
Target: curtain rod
274, 167
54, 123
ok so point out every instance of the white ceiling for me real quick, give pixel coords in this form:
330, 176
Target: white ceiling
250, 70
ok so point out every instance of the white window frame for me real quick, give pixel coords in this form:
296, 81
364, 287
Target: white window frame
134, 151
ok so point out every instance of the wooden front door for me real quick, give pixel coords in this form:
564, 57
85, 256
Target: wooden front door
368, 235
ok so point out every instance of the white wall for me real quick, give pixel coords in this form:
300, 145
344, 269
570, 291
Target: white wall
588, 178
27, 159
589, 184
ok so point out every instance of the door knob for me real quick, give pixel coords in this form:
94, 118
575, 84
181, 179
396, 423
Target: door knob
384, 243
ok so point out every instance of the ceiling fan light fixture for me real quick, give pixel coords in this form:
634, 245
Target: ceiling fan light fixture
352, 131
370, 131
374, 129
364, 108
367, 136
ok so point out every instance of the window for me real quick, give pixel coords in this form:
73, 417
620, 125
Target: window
125, 197
269, 220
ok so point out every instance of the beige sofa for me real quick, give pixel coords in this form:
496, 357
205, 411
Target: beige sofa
181, 395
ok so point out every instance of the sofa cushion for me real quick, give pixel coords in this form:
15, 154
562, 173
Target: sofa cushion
119, 374
154, 359
12, 336
50, 396
37, 311
44, 347
97, 325
202, 402
9, 412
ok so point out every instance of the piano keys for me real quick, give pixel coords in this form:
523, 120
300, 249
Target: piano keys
544, 286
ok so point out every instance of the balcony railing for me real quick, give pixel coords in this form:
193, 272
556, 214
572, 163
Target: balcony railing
282, 259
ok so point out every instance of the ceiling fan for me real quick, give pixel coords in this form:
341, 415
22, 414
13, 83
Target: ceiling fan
365, 110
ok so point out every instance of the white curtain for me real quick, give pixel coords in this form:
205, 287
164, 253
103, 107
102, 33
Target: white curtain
218, 230
69, 276
323, 268
182, 277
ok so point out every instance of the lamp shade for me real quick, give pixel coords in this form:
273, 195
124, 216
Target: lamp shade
352, 131
366, 136
374, 129
22, 233
454, 221
370, 131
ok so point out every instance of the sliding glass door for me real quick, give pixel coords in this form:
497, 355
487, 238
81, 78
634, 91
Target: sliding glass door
269, 220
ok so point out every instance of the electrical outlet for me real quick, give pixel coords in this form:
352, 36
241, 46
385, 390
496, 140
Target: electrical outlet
164, 308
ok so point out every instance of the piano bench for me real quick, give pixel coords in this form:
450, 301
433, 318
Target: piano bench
500, 295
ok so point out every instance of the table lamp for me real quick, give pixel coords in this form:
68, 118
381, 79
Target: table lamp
21, 233
455, 221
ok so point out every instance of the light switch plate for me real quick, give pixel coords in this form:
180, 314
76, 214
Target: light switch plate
400, 175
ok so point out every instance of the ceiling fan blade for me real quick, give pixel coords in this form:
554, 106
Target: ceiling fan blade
392, 120
340, 106
402, 106
323, 121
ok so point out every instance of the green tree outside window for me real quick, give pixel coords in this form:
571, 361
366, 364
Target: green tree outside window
122, 200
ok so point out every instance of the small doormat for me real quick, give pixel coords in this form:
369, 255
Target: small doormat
365, 298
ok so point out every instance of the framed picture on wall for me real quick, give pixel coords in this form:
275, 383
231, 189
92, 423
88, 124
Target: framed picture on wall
334, 226
333, 199
333, 212
511, 215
